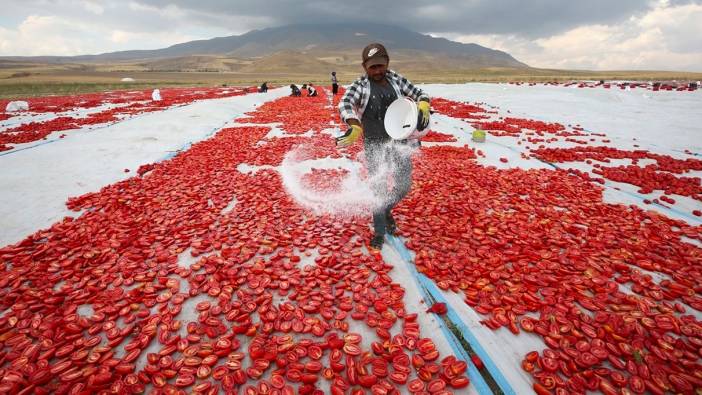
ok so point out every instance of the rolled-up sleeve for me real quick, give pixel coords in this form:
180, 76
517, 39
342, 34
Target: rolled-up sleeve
409, 90
349, 102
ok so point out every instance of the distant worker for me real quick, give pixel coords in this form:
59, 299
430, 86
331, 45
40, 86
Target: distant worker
295, 91
311, 91
335, 83
263, 88
363, 108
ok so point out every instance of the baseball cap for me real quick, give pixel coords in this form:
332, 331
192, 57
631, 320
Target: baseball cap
375, 53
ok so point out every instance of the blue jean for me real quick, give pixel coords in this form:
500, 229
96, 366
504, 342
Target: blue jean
387, 158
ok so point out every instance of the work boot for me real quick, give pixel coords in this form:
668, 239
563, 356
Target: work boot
391, 226
376, 243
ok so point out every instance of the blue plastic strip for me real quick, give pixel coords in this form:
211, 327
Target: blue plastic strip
429, 289
14, 150
473, 374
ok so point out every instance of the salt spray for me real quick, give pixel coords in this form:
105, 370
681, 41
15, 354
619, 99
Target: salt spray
354, 196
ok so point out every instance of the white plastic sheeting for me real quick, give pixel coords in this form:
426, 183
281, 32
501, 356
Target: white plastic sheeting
18, 105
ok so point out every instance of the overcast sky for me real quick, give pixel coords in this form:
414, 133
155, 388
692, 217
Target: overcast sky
587, 34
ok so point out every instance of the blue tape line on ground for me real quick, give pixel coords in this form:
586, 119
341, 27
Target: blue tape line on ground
404, 253
475, 377
473, 374
15, 150
456, 320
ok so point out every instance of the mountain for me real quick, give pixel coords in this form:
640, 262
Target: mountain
338, 41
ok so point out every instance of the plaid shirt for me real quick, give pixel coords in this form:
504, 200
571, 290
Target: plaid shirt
354, 101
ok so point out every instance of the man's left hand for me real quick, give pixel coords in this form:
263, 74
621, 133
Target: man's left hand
423, 107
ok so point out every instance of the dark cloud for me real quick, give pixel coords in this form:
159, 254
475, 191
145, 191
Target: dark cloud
525, 18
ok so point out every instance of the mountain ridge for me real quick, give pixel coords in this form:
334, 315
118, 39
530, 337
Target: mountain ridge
319, 39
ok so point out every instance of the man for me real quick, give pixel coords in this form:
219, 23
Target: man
335, 83
363, 108
263, 88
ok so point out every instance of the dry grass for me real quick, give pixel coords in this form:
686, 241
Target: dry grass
20, 90
24, 80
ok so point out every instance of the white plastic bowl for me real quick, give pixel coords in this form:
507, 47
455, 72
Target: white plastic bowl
401, 120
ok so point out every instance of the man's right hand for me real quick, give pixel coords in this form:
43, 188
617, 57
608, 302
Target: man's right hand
350, 137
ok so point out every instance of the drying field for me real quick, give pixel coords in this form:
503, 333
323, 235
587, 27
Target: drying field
24, 79
176, 246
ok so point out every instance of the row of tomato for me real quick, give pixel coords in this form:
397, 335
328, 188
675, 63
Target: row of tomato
605, 154
539, 251
285, 302
512, 241
56, 104
649, 178
141, 103
437, 137
499, 237
682, 87
661, 175
324, 180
